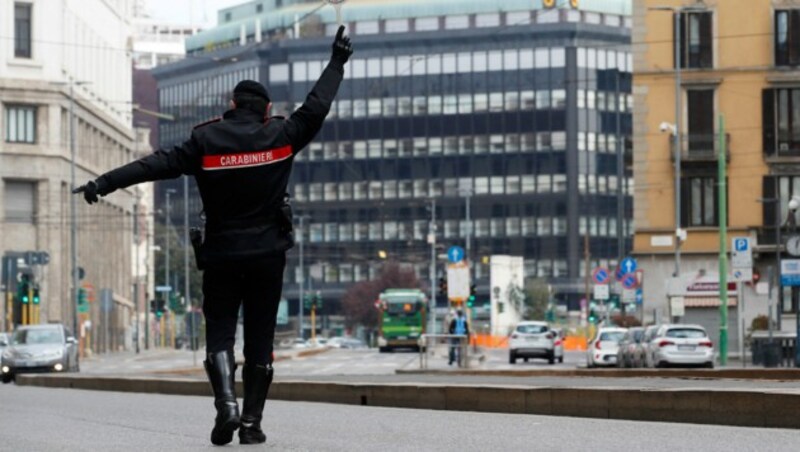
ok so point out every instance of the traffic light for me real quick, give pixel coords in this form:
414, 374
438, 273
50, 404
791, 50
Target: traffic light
443, 287
36, 298
318, 301
160, 307
471, 299
592, 312
23, 289
153, 306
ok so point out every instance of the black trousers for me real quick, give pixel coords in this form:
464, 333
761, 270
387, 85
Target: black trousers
254, 284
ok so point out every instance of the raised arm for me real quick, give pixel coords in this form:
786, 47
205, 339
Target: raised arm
306, 121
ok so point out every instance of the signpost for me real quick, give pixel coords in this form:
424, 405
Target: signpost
630, 281
790, 272
601, 275
742, 259
458, 282
455, 254
601, 292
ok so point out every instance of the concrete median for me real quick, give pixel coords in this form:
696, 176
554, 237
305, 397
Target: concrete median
711, 374
753, 408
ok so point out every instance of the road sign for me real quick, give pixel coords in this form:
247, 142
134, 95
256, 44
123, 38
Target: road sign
455, 254
601, 292
742, 274
629, 296
790, 272
629, 281
163, 288
741, 253
601, 275
639, 296
677, 306
628, 265
458, 282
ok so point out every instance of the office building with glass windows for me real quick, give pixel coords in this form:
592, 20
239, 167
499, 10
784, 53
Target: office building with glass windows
518, 110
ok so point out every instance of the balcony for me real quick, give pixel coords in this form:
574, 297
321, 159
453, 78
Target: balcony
700, 148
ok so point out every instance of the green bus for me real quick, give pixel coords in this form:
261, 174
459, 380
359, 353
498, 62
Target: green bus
402, 319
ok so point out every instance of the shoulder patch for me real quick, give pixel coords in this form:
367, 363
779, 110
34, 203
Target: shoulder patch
211, 121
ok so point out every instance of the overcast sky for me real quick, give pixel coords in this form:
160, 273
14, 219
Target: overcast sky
200, 12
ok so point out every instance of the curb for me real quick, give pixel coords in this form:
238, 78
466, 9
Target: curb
757, 408
710, 374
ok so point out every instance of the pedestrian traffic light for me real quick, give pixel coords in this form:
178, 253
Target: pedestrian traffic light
160, 307
23, 288
471, 299
36, 295
318, 301
592, 312
83, 296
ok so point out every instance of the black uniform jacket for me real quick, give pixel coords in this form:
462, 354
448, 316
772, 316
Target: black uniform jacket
242, 166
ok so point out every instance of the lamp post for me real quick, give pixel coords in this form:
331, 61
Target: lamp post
676, 13
167, 221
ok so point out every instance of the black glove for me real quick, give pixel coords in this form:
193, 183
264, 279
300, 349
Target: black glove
341, 47
92, 189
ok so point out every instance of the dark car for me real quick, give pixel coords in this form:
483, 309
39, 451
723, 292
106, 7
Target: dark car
40, 348
628, 352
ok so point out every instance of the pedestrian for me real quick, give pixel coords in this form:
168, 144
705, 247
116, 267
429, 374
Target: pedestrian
458, 326
241, 163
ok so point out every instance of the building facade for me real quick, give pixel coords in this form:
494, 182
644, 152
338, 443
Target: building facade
738, 59
521, 113
78, 49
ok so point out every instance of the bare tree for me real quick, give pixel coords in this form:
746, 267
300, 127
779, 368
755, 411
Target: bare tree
358, 302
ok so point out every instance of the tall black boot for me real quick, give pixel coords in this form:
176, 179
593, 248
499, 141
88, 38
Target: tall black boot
257, 379
220, 367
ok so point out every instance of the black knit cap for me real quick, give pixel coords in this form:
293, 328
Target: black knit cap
251, 87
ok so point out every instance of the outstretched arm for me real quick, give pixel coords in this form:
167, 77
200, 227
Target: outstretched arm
305, 123
159, 165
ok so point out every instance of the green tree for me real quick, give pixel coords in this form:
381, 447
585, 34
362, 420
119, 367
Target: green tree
537, 299
177, 270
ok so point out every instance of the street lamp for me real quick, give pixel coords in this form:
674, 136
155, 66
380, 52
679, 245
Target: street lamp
676, 12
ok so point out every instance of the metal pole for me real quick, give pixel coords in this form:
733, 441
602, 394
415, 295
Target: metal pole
432, 272
723, 244
186, 286
740, 320
73, 212
620, 177
136, 265
677, 144
301, 281
778, 244
166, 257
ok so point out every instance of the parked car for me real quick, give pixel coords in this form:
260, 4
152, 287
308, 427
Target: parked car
317, 342
532, 339
4, 340
299, 342
644, 346
353, 343
602, 350
558, 346
40, 348
627, 352
682, 345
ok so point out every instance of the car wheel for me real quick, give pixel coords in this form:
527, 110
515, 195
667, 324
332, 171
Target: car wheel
551, 359
525, 359
660, 365
383, 349
512, 357
561, 360
7, 378
709, 365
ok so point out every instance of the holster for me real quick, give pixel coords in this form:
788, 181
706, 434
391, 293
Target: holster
286, 221
196, 237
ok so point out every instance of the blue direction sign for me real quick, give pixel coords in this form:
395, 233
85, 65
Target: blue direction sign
629, 281
601, 275
628, 265
455, 254
639, 296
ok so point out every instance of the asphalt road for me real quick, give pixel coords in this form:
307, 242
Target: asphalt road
45, 420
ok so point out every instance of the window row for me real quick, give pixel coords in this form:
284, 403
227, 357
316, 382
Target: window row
20, 123
434, 146
605, 101
452, 229
431, 64
602, 59
424, 188
483, 20
448, 105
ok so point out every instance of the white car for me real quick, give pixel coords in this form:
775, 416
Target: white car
602, 350
532, 340
686, 345
558, 345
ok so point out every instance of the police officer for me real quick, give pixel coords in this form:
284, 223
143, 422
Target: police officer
241, 163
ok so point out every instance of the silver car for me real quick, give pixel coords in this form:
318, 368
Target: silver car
40, 348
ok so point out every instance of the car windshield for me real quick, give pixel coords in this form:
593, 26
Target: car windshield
38, 336
611, 336
531, 329
686, 333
